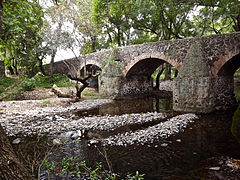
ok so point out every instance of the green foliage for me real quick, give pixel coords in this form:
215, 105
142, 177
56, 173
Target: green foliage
5, 82
237, 74
39, 80
22, 24
137, 21
72, 167
46, 101
28, 84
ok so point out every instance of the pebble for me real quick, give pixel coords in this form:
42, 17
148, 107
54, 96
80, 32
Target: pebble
40, 121
75, 127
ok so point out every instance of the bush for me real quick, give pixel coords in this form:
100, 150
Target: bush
71, 167
39, 80
28, 85
5, 82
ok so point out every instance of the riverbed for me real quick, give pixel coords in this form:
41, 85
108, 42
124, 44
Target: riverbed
65, 130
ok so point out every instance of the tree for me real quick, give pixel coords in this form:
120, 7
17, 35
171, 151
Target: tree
114, 18
10, 166
21, 34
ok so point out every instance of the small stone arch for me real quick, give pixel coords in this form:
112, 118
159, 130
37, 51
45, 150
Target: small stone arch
158, 57
90, 62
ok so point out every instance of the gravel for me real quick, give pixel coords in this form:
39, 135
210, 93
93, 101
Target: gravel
56, 124
32, 117
162, 130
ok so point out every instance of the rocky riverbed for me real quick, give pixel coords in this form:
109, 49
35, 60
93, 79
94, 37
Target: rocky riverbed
57, 118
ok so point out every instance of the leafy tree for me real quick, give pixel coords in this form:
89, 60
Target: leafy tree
217, 16
114, 18
21, 34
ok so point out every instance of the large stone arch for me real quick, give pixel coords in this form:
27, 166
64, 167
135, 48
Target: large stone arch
225, 60
224, 81
131, 63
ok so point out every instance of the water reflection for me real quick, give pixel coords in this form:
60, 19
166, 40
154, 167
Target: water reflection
129, 106
235, 128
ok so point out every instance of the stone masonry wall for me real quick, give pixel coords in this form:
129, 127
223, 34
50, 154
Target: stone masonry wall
198, 81
224, 92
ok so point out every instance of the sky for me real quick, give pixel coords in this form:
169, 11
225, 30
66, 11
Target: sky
61, 53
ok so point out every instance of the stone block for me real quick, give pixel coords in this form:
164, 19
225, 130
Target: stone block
194, 94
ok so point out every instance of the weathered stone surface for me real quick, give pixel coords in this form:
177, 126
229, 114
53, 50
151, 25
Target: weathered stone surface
195, 63
193, 94
224, 92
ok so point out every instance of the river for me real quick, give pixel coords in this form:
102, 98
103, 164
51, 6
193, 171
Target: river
177, 157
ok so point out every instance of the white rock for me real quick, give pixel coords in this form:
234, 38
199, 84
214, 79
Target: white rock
164, 145
16, 141
215, 168
57, 142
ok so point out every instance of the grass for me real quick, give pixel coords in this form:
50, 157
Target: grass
46, 101
90, 94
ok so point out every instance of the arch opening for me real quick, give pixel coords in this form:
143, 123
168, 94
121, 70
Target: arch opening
91, 72
230, 67
227, 85
146, 76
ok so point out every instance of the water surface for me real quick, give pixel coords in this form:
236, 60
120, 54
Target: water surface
212, 135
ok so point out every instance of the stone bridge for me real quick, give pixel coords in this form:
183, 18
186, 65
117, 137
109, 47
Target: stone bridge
206, 66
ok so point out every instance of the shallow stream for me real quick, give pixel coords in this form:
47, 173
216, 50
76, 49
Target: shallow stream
212, 135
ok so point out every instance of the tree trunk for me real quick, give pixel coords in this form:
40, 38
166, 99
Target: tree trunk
1, 18
15, 68
119, 36
54, 51
167, 72
84, 82
41, 68
237, 24
158, 78
56, 90
10, 166
11, 70
80, 89
93, 43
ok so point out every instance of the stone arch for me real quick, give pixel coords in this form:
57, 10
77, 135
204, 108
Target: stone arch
90, 62
224, 82
149, 58
229, 62
91, 69
230, 66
